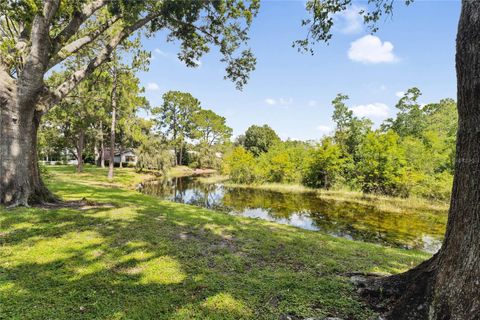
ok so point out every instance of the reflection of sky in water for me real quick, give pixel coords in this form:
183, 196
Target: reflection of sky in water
295, 219
308, 211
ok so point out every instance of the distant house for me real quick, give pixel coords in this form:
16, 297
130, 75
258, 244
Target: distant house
127, 157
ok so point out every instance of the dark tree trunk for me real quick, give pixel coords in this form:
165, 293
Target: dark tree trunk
80, 147
448, 285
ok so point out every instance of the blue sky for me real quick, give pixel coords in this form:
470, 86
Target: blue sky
292, 92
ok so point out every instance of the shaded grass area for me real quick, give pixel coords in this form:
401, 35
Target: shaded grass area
142, 258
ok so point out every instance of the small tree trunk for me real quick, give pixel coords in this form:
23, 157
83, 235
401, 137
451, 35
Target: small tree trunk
121, 151
102, 147
80, 146
114, 123
96, 152
180, 156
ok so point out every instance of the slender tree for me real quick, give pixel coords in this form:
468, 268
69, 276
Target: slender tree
176, 117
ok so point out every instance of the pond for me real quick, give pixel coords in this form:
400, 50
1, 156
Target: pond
346, 219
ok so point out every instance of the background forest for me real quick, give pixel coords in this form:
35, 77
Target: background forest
409, 155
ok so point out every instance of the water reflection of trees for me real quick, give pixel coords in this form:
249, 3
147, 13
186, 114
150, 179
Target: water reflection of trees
345, 219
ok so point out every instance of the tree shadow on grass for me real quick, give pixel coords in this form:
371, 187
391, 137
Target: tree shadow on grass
151, 259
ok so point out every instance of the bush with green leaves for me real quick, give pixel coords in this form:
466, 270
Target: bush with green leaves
241, 167
285, 162
383, 165
325, 165
152, 154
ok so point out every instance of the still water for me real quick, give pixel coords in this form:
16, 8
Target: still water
309, 211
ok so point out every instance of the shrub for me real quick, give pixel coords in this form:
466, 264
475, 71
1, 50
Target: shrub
383, 167
325, 166
240, 166
285, 162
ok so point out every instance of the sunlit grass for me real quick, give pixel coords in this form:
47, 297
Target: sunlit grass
131, 256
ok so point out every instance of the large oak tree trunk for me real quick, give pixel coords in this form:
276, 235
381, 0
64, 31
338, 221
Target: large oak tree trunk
20, 180
448, 285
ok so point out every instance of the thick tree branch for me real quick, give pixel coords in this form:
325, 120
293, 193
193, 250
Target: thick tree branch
63, 90
80, 43
31, 78
79, 17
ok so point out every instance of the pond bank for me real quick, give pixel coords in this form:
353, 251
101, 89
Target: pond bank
309, 209
143, 258
385, 203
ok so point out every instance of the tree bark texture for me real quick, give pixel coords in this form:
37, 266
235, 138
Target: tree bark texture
20, 180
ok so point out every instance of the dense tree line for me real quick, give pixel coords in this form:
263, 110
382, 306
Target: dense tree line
411, 154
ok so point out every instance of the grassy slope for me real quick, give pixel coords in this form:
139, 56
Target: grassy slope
142, 258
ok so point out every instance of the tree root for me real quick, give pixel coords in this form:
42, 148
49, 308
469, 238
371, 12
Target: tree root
405, 296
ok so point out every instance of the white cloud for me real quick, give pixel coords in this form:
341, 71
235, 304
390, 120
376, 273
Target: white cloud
271, 101
324, 129
351, 21
400, 94
374, 110
312, 103
160, 52
370, 49
279, 101
285, 101
152, 86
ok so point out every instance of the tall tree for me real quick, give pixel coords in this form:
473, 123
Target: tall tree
176, 117
445, 286
411, 119
210, 128
258, 139
350, 130
37, 36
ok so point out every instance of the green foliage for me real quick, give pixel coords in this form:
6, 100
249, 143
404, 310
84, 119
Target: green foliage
323, 12
411, 119
284, 162
325, 167
176, 117
258, 139
383, 166
153, 155
437, 186
182, 119
240, 166
210, 128
350, 130
196, 25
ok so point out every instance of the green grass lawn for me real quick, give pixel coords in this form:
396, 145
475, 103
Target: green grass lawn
132, 256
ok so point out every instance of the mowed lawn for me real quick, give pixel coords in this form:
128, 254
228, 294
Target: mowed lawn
125, 255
